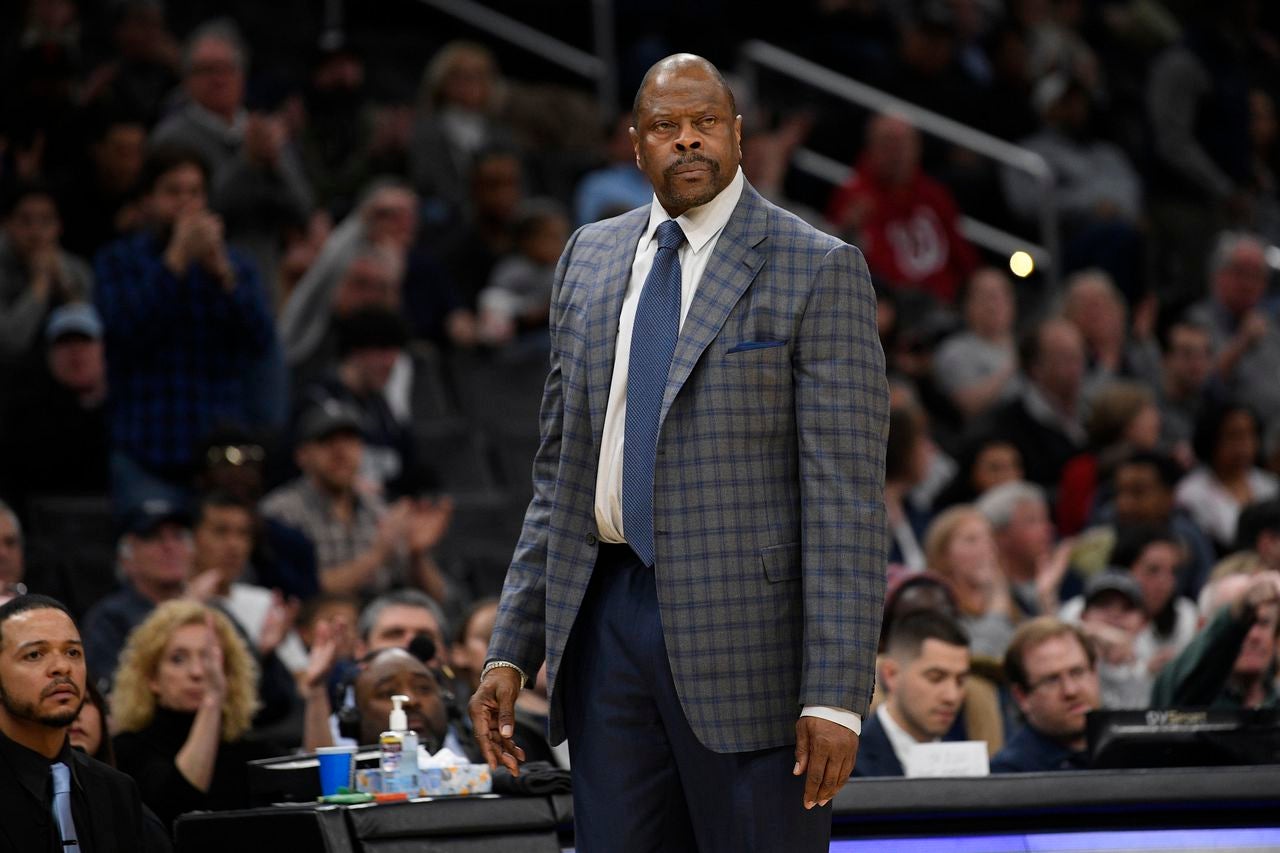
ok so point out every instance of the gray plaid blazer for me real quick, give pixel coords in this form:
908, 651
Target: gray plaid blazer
769, 520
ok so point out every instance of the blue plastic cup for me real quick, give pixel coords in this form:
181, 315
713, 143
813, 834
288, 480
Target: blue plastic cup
337, 768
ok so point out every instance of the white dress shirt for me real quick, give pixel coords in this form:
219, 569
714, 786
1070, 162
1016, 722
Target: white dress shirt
899, 738
702, 227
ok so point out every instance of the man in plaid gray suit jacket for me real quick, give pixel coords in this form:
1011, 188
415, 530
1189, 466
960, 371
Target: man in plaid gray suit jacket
710, 670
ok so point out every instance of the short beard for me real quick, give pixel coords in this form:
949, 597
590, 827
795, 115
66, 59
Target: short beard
26, 711
701, 198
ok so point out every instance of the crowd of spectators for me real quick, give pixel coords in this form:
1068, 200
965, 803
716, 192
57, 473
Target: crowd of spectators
270, 354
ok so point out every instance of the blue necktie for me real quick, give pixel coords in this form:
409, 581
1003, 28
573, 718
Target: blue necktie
62, 805
653, 342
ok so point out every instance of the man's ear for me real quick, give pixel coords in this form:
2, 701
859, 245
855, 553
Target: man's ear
1019, 697
635, 145
889, 672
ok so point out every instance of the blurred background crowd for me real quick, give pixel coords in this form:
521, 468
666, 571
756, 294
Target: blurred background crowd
274, 293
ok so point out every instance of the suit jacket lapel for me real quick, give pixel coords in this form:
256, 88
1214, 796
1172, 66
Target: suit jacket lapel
605, 308
728, 274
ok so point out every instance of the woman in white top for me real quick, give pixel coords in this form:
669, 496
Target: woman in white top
1155, 558
1228, 478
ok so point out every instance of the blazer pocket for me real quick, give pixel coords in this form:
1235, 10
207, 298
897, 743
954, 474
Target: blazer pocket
748, 346
781, 562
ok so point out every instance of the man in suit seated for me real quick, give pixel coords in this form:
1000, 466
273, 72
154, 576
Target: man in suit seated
923, 670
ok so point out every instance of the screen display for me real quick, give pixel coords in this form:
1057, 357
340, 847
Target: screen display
1139, 841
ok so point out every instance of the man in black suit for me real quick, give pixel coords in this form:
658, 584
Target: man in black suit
56, 798
923, 671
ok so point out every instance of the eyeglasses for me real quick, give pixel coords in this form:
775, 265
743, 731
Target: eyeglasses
237, 455
1058, 680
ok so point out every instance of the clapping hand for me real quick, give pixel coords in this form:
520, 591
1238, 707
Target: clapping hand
277, 624
428, 521
215, 674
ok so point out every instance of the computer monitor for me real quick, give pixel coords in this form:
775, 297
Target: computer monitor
1183, 738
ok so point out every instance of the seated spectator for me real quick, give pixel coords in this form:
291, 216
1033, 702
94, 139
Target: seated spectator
518, 296
1246, 338
978, 366
380, 231
1038, 572
1155, 559
392, 621
222, 536
338, 615
1045, 420
370, 340
458, 101
472, 249
395, 672
1113, 348
63, 409
1186, 367
36, 274
984, 462
88, 732
256, 178
363, 545
1097, 193
155, 556
906, 223
395, 619
183, 701
960, 548
618, 185
906, 461
345, 142
1113, 618
98, 202
234, 462
1144, 487
185, 320
1259, 531
1228, 477
12, 558
924, 669
1232, 662
1053, 676
143, 69
1123, 418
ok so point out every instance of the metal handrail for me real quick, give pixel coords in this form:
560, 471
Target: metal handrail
996, 239
763, 54
535, 41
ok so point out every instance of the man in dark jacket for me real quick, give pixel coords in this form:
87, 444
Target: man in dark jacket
923, 670
1053, 675
56, 798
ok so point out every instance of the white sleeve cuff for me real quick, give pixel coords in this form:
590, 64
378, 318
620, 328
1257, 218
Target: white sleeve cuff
848, 719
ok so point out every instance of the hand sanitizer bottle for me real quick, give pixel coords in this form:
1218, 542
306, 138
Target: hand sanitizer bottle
391, 752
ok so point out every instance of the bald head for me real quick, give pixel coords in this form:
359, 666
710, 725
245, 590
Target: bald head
674, 66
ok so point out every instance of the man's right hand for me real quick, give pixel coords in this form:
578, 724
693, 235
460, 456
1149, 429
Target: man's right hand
493, 717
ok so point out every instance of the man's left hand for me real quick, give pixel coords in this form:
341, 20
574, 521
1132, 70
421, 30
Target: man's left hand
825, 751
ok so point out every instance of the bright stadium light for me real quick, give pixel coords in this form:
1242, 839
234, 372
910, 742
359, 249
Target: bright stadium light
1021, 264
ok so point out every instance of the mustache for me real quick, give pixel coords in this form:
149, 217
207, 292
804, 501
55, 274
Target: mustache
693, 157
57, 683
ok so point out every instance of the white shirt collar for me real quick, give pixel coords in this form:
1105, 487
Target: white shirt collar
701, 223
899, 738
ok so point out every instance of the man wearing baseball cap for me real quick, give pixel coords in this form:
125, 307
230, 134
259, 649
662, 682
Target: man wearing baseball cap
154, 563
61, 411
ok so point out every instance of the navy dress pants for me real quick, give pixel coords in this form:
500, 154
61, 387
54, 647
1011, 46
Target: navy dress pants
642, 782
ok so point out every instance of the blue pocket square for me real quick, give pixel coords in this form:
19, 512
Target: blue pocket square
747, 346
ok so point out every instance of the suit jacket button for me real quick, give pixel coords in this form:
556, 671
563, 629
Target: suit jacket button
592, 540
